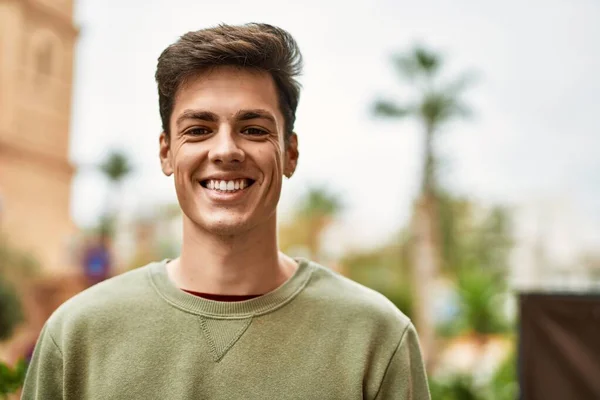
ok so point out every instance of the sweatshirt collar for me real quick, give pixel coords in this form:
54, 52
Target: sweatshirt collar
229, 310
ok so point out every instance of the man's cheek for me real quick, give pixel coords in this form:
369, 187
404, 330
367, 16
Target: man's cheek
178, 175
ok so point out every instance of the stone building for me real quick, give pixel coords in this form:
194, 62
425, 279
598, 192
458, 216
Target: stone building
37, 40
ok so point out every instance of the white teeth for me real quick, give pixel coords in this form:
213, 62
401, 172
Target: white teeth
227, 186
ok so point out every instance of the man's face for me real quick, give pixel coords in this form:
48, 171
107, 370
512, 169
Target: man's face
227, 150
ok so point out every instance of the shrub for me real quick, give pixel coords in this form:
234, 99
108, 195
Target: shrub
11, 379
10, 309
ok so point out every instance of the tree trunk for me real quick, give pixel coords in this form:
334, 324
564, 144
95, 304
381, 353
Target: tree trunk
317, 225
425, 253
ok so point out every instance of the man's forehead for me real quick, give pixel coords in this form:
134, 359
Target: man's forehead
230, 77
228, 91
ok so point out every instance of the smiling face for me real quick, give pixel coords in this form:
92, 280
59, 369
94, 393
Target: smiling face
227, 151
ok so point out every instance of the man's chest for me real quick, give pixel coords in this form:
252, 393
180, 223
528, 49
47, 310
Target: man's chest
256, 361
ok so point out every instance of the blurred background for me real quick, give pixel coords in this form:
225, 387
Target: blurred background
450, 159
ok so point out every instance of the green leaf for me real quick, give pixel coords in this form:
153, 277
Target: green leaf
11, 379
419, 63
388, 109
320, 202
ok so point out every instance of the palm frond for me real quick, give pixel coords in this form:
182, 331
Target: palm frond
427, 60
116, 166
384, 108
418, 63
439, 107
460, 84
319, 201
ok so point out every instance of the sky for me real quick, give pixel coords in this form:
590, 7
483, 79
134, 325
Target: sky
533, 139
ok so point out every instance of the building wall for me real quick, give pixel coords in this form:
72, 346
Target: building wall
37, 39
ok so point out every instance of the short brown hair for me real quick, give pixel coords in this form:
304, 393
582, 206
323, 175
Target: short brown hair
256, 46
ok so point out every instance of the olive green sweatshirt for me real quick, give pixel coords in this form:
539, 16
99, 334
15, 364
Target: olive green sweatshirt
137, 336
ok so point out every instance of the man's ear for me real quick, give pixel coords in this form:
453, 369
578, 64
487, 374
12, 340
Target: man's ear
291, 155
165, 154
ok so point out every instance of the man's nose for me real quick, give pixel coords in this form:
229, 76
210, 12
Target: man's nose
226, 148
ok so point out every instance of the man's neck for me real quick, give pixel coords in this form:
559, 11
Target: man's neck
245, 264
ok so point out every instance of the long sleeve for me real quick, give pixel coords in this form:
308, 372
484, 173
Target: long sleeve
405, 377
44, 379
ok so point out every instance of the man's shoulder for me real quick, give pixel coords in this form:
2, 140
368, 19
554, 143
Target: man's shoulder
109, 298
345, 297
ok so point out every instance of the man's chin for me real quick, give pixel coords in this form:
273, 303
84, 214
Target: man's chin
226, 227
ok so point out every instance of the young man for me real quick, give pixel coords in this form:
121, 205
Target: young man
232, 317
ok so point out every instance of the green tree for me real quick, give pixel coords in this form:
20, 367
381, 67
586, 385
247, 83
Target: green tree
473, 235
116, 167
384, 269
475, 243
16, 267
504, 384
434, 104
455, 387
11, 313
316, 210
11, 379
480, 311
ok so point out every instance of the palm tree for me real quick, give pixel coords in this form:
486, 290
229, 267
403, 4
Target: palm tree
433, 105
116, 167
315, 213
384, 269
480, 299
318, 208
477, 244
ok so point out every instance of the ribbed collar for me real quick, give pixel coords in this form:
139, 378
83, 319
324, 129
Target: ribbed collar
229, 310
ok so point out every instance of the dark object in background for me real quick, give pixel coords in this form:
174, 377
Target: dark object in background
559, 349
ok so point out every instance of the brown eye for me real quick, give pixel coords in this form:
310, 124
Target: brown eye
255, 132
197, 132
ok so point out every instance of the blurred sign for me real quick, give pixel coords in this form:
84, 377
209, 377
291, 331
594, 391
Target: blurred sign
97, 262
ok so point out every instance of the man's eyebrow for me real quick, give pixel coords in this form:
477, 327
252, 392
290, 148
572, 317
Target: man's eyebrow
244, 115
197, 114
